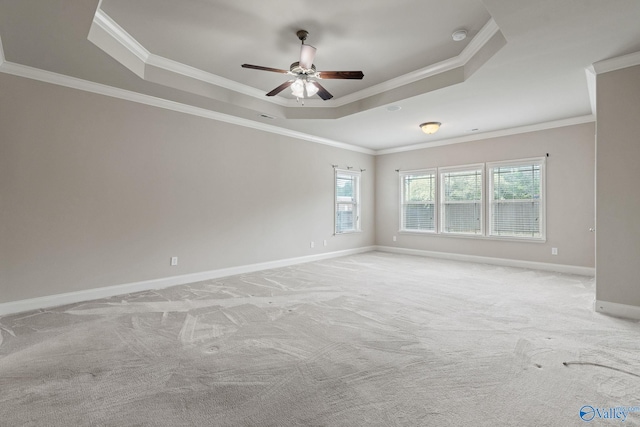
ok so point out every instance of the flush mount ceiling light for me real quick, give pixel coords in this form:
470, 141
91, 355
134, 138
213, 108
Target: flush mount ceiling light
459, 35
430, 127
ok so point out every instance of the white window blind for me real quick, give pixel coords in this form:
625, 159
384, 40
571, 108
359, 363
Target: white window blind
347, 203
461, 205
517, 199
418, 204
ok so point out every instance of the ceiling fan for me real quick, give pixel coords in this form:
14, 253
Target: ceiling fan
304, 72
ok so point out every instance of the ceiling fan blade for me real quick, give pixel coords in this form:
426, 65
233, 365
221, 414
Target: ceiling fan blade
307, 55
258, 67
280, 88
357, 75
322, 92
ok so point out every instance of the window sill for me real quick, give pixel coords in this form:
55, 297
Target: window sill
416, 232
475, 236
347, 232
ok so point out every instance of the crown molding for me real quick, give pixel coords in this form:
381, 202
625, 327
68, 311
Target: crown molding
477, 43
495, 134
2, 60
617, 63
590, 75
84, 85
97, 88
483, 36
121, 36
204, 76
87, 86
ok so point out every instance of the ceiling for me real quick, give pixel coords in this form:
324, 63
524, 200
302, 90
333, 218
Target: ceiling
522, 64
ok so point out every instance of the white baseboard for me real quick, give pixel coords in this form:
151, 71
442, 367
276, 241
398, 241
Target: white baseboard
559, 268
618, 310
48, 301
110, 291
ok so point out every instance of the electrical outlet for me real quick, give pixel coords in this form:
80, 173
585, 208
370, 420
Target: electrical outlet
313, 245
324, 243
554, 251
174, 260
394, 238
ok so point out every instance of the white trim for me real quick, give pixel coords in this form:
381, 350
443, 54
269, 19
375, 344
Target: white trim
203, 76
473, 236
120, 35
417, 172
394, 83
110, 291
517, 162
590, 74
356, 203
85, 85
618, 310
75, 83
559, 268
2, 60
618, 63
495, 134
483, 36
479, 40
542, 162
441, 194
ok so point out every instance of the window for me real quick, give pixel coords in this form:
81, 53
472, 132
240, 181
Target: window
516, 197
508, 204
418, 201
461, 200
347, 201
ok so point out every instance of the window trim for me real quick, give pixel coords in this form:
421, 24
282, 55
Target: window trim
486, 202
462, 168
402, 175
357, 203
542, 161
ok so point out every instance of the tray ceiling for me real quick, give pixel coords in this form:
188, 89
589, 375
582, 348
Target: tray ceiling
522, 64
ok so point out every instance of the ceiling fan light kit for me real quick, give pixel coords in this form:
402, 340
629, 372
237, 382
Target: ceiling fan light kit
303, 85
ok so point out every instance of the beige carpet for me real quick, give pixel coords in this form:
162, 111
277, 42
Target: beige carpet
368, 340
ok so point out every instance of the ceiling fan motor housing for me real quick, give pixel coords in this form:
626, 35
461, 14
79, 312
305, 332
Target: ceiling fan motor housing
304, 70
297, 69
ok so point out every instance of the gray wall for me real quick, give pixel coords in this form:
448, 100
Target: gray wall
570, 195
618, 186
97, 191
